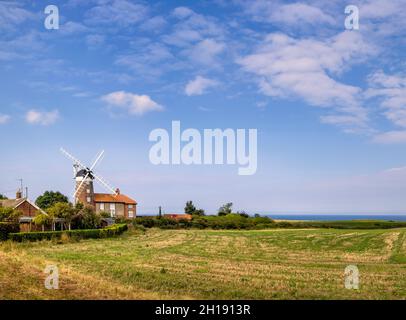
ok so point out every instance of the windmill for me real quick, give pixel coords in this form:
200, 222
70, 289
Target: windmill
84, 176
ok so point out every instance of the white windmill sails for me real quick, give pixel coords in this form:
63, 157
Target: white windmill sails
88, 172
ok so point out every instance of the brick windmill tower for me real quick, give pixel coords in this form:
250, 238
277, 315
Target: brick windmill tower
84, 177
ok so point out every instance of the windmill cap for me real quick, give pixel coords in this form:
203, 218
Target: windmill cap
82, 173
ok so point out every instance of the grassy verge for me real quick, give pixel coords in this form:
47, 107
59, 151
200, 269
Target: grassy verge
211, 264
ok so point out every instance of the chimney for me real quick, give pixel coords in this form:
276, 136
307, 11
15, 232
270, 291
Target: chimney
19, 194
118, 191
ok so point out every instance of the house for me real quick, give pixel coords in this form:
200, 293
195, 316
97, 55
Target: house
118, 205
178, 216
28, 208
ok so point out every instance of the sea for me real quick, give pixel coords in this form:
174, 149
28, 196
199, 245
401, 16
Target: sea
332, 217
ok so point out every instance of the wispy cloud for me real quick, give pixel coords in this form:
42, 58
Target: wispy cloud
304, 68
132, 103
392, 90
12, 15
121, 13
4, 118
199, 85
290, 14
390, 137
42, 118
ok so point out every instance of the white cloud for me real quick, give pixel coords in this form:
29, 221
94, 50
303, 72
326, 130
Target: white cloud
390, 137
205, 52
4, 118
122, 13
193, 27
133, 103
182, 12
304, 68
155, 24
290, 14
392, 90
11, 15
72, 27
42, 117
199, 85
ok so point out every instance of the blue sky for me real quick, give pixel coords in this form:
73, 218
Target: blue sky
329, 104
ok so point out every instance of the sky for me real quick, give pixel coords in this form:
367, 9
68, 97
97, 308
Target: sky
328, 103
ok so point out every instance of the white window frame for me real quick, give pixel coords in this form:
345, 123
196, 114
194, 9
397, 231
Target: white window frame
88, 199
112, 209
101, 206
130, 213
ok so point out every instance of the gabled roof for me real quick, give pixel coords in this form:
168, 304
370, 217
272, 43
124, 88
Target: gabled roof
15, 203
12, 203
120, 198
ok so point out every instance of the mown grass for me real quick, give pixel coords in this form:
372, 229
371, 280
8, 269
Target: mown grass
210, 264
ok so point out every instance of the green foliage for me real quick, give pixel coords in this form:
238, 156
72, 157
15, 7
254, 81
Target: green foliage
225, 209
230, 221
86, 218
6, 228
42, 220
105, 214
191, 209
243, 214
73, 234
3, 197
63, 210
50, 198
238, 221
9, 214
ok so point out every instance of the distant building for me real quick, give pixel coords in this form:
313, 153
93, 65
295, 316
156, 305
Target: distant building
28, 208
178, 216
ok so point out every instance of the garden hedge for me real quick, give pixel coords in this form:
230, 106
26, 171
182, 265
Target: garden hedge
74, 234
6, 228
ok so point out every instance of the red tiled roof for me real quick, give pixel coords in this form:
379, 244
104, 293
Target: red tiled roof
120, 198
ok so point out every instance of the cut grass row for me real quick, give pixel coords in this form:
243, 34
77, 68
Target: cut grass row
210, 264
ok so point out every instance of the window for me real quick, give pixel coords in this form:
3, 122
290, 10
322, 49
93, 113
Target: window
113, 209
88, 190
88, 199
101, 206
130, 214
130, 206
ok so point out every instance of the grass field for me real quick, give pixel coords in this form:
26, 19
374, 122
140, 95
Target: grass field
208, 264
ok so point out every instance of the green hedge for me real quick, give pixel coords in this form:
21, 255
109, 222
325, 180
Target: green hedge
230, 221
75, 234
6, 228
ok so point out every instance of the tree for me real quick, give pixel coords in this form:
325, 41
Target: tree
199, 212
243, 214
64, 211
50, 198
3, 197
225, 209
87, 218
42, 220
9, 214
190, 208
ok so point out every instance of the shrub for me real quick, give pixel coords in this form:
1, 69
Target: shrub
6, 228
86, 218
9, 214
73, 234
